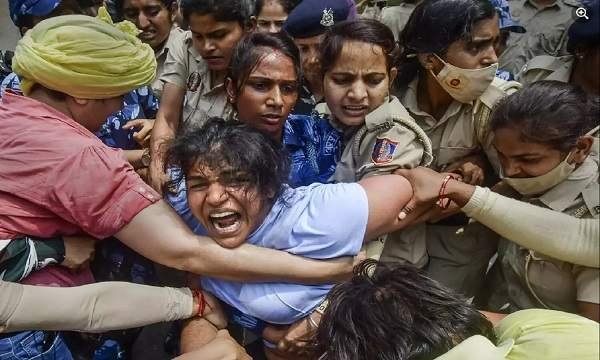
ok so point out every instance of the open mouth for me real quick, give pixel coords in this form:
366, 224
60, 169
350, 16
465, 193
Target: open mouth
225, 222
355, 110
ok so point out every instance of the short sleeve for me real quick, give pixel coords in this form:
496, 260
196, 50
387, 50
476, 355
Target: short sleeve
97, 190
385, 151
176, 66
588, 284
343, 206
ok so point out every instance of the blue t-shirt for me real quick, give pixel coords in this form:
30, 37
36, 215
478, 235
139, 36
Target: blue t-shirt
314, 146
137, 104
317, 221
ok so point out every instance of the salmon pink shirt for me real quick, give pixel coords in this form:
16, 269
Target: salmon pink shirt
58, 178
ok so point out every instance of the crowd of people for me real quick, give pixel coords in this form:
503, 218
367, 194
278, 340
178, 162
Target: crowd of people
314, 179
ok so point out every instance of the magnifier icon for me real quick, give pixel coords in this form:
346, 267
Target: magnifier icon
581, 13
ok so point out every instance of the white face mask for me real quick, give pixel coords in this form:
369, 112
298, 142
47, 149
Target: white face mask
539, 184
465, 85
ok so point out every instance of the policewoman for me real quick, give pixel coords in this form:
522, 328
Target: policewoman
446, 80
306, 24
379, 135
156, 20
194, 72
544, 149
582, 66
546, 22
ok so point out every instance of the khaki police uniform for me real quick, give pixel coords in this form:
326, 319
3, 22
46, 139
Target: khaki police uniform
389, 140
546, 31
204, 98
546, 67
396, 17
464, 129
454, 254
176, 36
553, 68
529, 279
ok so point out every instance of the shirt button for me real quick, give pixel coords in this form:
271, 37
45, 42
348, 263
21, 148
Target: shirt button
142, 189
150, 197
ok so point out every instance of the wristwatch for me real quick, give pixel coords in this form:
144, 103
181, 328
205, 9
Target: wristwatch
146, 158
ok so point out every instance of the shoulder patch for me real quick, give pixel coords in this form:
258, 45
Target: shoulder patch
193, 81
383, 151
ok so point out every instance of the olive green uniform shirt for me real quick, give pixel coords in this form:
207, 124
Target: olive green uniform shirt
185, 68
176, 36
533, 280
546, 31
462, 131
389, 140
546, 67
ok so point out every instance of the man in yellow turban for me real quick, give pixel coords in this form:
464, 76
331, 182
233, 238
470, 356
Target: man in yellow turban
58, 178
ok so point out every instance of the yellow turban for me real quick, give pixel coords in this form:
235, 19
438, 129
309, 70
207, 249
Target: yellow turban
84, 57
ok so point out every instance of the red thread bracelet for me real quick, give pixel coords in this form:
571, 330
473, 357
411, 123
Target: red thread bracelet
443, 202
199, 296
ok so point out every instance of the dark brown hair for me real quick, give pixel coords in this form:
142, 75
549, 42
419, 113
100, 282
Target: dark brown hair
394, 313
253, 48
433, 26
364, 30
549, 112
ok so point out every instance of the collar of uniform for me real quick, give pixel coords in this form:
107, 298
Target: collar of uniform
563, 73
562, 195
205, 74
385, 113
190, 46
323, 111
410, 102
557, 3
379, 116
174, 35
376, 117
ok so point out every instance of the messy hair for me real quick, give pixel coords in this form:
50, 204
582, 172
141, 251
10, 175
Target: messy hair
221, 145
394, 313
